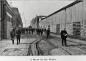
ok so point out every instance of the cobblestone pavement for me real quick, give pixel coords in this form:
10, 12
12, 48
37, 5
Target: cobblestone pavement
8, 49
53, 46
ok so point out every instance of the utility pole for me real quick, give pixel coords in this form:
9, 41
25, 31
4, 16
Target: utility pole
24, 19
65, 18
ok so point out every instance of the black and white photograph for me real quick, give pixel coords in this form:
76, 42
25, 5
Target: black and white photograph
42, 28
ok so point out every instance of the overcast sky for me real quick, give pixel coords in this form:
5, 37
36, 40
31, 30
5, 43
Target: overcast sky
30, 8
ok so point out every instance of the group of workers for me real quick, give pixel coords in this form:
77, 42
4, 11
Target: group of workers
40, 32
15, 33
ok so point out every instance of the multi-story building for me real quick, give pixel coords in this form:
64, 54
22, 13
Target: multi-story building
72, 17
35, 21
18, 17
8, 19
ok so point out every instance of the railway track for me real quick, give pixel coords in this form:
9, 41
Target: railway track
79, 47
68, 49
33, 48
60, 47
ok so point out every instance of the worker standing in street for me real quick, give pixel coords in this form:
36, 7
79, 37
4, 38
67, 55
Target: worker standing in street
41, 31
64, 36
48, 32
12, 34
18, 35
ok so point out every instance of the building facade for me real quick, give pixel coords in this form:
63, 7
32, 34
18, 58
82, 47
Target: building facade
18, 19
35, 21
72, 17
0, 20
8, 19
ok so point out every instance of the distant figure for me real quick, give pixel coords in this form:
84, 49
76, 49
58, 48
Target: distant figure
37, 31
41, 32
29, 31
64, 36
26, 31
48, 32
18, 35
12, 34
32, 30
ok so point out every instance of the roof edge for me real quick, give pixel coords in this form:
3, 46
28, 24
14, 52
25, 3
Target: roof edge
69, 5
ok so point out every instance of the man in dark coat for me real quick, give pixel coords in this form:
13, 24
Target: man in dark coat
48, 32
32, 30
12, 34
38, 31
18, 35
63, 37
